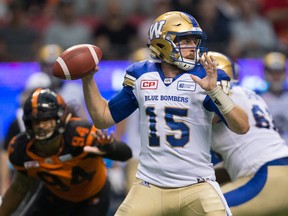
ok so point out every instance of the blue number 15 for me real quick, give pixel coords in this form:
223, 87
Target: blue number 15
154, 139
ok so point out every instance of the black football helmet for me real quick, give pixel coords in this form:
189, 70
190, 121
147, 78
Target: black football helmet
44, 104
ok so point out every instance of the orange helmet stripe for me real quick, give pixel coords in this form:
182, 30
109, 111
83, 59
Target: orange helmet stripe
34, 101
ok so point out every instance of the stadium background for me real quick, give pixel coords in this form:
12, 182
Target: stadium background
14, 74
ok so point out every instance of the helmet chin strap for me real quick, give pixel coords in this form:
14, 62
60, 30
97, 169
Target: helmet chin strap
187, 64
47, 136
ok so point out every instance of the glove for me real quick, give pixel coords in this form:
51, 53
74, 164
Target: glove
104, 141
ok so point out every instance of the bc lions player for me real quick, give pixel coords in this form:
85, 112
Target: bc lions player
257, 162
176, 97
53, 150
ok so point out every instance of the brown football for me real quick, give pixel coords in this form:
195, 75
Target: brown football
77, 61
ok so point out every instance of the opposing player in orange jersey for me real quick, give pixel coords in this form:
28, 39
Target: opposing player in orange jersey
53, 149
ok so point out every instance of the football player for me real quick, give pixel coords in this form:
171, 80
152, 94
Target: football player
276, 97
53, 149
256, 162
177, 96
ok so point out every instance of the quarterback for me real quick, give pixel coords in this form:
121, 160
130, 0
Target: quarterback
177, 96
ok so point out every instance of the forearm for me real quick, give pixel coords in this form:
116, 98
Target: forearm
118, 151
14, 195
236, 117
10, 202
97, 106
237, 120
5, 172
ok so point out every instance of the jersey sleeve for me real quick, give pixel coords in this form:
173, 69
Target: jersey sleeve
78, 134
17, 153
125, 103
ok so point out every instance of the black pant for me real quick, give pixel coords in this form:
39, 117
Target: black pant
47, 204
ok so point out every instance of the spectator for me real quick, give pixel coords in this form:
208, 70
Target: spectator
18, 40
277, 13
115, 36
229, 8
159, 7
214, 23
252, 35
67, 30
188, 6
276, 97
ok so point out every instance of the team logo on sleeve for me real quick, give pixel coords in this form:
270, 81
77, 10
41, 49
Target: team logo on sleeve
149, 84
186, 85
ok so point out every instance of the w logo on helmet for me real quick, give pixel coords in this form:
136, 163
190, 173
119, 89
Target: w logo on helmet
156, 29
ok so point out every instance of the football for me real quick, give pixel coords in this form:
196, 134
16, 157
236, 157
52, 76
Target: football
77, 61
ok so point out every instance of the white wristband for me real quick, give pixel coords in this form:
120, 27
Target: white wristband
221, 100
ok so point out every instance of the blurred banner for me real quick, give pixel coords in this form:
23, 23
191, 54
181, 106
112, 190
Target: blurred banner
13, 76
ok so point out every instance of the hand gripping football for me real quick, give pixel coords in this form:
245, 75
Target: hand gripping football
77, 61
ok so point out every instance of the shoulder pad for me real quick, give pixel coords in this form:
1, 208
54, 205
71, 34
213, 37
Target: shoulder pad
78, 134
222, 75
223, 81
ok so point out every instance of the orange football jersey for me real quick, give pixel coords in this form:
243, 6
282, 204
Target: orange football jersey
71, 174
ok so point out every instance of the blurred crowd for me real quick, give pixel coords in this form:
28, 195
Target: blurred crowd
240, 29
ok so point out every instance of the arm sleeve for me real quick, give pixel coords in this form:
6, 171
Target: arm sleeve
123, 104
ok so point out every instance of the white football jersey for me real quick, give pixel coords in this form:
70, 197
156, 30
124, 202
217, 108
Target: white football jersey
175, 129
175, 116
244, 154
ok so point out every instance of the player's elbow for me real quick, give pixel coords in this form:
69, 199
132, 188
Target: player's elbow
239, 122
243, 128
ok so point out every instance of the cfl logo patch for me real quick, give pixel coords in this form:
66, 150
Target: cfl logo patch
149, 84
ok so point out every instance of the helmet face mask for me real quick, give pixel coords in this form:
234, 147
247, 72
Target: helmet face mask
165, 36
45, 106
44, 129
